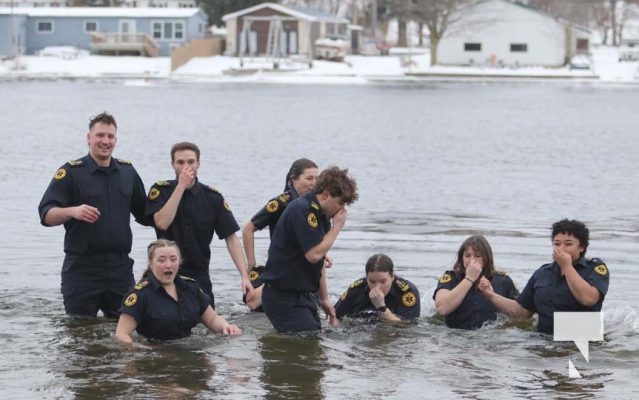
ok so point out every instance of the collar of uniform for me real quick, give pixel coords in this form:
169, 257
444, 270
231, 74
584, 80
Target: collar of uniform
293, 193
195, 189
93, 166
312, 199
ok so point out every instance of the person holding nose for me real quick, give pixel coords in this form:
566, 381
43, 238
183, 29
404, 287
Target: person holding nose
380, 295
570, 283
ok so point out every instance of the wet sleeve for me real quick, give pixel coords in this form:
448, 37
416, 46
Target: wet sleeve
57, 193
527, 297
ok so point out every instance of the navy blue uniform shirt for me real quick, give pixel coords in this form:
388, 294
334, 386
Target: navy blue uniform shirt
201, 213
301, 227
547, 291
116, 190
402, 299
158, 315
475, 309
272, 211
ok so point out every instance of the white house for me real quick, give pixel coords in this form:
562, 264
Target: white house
504, 33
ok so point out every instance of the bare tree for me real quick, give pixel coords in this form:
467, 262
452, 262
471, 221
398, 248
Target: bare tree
437, 15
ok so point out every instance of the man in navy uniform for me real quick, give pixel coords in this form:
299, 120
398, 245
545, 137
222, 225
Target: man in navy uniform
188, 212
93, 197
294, 272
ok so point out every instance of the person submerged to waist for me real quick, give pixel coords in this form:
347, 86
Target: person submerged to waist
300, 291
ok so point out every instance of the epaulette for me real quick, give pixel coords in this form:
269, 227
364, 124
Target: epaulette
402, 284
502, 273
212, 189
285, 197
121, 161
187, 278
162, 183
315, 205
596, 260
141, 285
76, 163
357, 283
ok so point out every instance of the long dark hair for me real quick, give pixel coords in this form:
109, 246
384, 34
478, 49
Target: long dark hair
297, 168
480, 244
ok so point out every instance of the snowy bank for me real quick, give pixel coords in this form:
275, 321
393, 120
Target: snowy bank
403, 64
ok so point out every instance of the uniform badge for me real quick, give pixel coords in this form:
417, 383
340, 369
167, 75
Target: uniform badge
226, 205
312, 220
272, 206
253, 275
601, 269
154, 194
409, 299
131, 300
445, 278
60, 174
285, 197
315, 205
357, 283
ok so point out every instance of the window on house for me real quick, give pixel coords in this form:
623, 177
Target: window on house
45, 27
472, 46
168, 30
518, 47
90, 26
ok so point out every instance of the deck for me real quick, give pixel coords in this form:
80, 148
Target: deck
124, 44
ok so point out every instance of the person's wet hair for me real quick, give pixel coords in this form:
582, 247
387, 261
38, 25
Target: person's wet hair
297, 169
185, 146
575, 228
379, 263
338, 183
480, 244
150, 252
103, 117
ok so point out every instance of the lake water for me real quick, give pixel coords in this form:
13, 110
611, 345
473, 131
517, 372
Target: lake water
434, 162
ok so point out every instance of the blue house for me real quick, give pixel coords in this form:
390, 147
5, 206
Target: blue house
143, 31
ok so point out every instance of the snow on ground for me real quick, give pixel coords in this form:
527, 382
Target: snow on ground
63, 62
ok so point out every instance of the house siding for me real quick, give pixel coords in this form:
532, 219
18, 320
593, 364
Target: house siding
496, 24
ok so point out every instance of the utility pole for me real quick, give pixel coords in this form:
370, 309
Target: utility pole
374, 19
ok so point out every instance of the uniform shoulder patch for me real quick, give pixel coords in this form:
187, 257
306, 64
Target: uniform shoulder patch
409, 299
502, 273
60, 174
227, 207
357, 283
312, 220
141, 285
273, 206
121, 161
601, 269
402, 284
211, 188
154, 193
131, 300
446, 277
162, 183
76, 163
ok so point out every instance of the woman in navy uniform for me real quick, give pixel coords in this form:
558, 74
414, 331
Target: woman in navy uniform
457, 296
294, 273
381, 294
300, 179
570, 283
165, 306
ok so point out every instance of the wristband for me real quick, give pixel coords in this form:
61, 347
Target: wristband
469, 280
382, 309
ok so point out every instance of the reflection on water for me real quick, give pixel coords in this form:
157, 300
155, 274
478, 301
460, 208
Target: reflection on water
293, 367
434, 164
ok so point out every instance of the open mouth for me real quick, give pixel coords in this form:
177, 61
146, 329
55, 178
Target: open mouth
167, 274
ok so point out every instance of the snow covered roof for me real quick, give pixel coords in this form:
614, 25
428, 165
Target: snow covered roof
299, 12
102, 12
